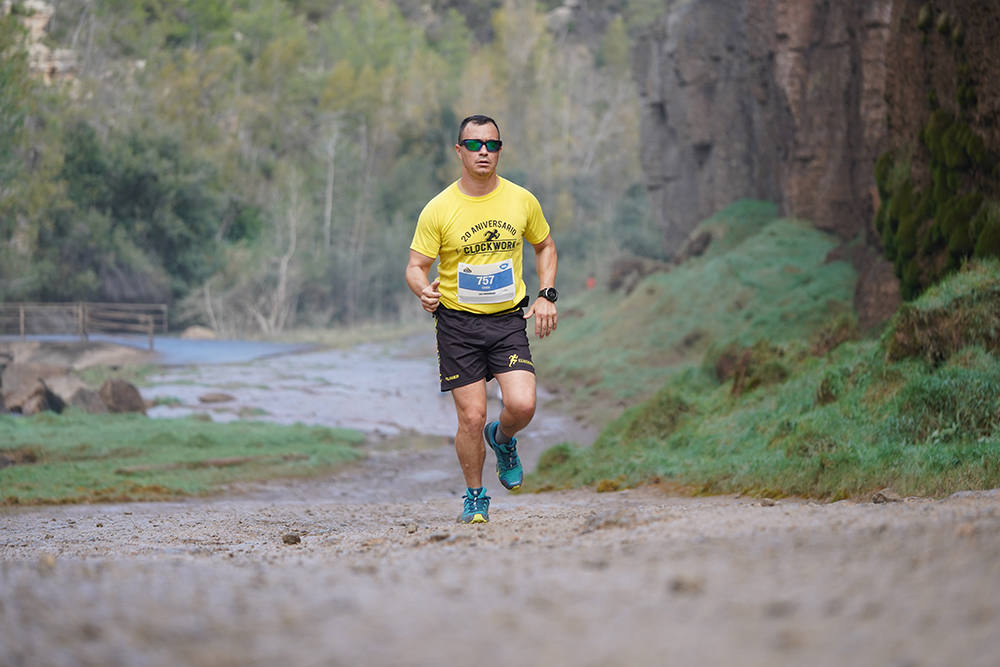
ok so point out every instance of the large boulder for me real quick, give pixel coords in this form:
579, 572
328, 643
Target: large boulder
121, 396
88, 400
22, 381
36, 376
42, 399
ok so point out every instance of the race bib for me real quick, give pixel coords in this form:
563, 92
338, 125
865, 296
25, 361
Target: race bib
486, 283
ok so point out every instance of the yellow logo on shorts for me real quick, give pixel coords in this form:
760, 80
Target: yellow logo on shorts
514, 359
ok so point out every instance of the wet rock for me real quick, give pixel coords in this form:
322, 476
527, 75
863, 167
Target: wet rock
291, 538
886, 495
121, 396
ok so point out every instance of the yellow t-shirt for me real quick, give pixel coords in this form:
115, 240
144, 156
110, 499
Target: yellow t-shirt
479, 241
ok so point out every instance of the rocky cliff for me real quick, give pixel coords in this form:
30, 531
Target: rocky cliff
790, 101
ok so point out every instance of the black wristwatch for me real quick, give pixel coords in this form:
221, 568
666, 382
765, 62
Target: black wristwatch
549, 293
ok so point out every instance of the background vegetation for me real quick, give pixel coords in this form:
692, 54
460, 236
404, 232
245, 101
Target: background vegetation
261, 163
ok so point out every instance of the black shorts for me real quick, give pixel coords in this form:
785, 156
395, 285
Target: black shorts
474, 347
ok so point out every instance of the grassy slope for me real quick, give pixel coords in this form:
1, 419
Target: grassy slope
835, 426
77, 457
762, 278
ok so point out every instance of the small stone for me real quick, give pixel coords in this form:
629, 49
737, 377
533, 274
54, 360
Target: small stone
686, 585
291, 538
411, 528
779, 608
768, 502
886, 495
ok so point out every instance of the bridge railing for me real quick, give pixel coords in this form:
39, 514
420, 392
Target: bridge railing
83, 319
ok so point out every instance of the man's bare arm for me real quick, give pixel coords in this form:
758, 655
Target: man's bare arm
547, 262
417, 270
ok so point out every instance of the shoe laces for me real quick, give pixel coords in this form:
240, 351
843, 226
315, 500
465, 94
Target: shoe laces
478, 503
508, 453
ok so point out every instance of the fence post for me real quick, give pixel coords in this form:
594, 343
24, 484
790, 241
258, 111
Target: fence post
150, 325
83, 321
20, 310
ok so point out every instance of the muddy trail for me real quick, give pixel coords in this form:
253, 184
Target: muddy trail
369, 567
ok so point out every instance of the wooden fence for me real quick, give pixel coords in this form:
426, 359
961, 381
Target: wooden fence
83, 319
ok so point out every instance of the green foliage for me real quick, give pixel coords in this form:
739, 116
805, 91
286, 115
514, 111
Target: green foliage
141, 215
15, 90
77, 457
261, 164
838, 426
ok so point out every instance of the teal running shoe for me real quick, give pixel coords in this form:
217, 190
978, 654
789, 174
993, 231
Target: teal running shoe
477, 506
509, 470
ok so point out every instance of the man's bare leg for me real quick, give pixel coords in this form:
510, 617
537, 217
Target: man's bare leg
519, 400
470, 405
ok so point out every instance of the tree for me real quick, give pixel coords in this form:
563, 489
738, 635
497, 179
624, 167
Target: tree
15, 91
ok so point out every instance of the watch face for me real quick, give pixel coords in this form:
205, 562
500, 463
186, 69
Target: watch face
549, 293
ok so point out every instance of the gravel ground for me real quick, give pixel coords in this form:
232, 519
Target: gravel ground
360, 570
369, 567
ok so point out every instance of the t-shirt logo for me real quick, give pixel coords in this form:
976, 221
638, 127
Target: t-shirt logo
492, 235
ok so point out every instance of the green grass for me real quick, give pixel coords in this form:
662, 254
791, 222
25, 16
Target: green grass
77, 457
838, 427
762, 278
794, 421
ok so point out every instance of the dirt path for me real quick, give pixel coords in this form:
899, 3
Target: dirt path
382, 575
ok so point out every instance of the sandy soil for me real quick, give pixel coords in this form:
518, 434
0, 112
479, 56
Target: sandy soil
369, 567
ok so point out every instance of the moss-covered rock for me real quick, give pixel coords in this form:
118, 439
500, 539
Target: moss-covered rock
928, 231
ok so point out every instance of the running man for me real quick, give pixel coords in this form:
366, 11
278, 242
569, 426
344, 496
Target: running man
476, 226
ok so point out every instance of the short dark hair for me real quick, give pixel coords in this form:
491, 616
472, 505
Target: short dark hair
477, 119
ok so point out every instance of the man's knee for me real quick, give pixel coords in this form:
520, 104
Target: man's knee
472, 418
521, 408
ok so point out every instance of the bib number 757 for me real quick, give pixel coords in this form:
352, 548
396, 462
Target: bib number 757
486, 283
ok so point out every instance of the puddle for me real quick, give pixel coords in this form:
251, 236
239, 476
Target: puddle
385, 392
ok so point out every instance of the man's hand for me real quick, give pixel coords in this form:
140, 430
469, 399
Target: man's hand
430, 297
545, 314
